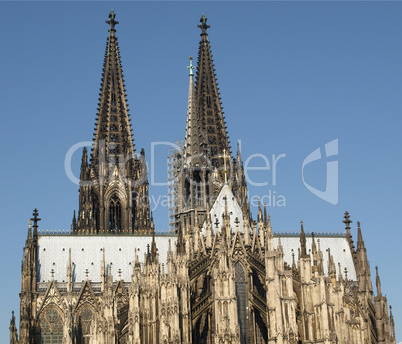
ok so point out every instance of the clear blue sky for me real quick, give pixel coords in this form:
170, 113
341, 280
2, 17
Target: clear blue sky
292, 75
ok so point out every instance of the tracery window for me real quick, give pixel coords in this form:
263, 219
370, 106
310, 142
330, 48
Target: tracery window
240, 281
96, 208
115, 214
51, 327
84, 327
198, 188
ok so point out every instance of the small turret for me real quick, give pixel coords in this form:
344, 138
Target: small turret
74, 224
246, 226
209, 231
340, 278
331, 268
360, 242
270, 235
84, 175
378, 282
154, 250
294, 267
303, 242
315, 256
13, 330
152, 224
260, 218
392, 325
181, 245
29, 238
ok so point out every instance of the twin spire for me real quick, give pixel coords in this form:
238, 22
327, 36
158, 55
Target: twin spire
206, 131
113, 137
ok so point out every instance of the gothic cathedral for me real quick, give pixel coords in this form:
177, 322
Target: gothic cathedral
218, 276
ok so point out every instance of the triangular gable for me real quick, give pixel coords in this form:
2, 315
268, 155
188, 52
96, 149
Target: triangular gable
121, 295
86, 295
218, 208
238, 247
52, 296
256, 246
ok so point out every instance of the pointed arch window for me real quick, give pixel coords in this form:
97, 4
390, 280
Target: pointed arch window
115, 214
240, 281
96, 217
197, 188
50, 327
187, 190
84, 322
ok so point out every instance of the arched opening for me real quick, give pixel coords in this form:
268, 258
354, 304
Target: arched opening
240, 281
187, 191
96, 215
201, 331
84, 320
261, 329
50, 329
115, 214
197, 188
134, 209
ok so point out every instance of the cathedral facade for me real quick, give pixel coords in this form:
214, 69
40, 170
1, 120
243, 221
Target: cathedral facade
219, 277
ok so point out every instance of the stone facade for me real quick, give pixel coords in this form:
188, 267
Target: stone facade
219, 277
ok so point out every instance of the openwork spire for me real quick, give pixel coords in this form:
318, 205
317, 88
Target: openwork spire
113, 138
210, 114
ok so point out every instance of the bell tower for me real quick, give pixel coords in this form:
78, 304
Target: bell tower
113, 185
206, 163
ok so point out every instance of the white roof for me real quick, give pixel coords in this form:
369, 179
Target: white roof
86, 253
218, 209
338, 245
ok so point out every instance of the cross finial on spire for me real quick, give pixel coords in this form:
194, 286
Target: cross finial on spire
347, 221
203, 25
35, 220
191, 67
237, 222
112, 22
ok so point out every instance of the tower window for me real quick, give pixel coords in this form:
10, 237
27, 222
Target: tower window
115, 214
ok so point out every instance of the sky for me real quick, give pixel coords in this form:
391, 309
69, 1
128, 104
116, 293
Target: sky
293, 77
